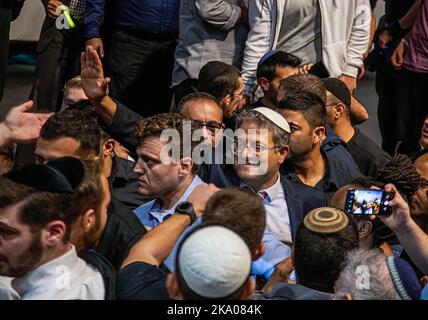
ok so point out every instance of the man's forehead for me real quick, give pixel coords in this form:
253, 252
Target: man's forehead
9, 215
151, 145
204, 110
65, 144
251, 129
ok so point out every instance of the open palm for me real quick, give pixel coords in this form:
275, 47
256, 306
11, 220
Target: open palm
93, 82
22, 125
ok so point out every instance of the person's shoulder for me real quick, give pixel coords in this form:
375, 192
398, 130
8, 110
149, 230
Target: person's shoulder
364, 143
142, 281
300, 189
106, 269
121, 214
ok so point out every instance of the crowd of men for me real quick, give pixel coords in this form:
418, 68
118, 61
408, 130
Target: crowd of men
204, 149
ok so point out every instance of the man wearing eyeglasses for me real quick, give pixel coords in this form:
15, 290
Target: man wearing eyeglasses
286, 202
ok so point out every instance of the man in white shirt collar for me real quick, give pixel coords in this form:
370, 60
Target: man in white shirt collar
270, 148
36, 251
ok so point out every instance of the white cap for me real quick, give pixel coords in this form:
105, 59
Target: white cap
275, 117
214, 262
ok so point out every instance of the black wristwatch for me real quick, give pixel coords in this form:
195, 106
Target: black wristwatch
187, 209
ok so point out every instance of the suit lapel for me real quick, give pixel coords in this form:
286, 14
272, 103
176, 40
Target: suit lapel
294, 204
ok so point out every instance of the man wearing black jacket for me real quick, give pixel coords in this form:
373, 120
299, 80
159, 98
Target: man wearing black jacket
296, 200
9, 11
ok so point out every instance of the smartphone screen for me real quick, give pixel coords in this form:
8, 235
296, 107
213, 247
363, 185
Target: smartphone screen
368, 202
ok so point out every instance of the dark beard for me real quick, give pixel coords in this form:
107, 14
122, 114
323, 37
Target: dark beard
28, 260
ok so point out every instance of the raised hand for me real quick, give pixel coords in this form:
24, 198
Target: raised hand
94, 84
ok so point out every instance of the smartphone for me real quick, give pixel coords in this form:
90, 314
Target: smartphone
368, 202
320, 70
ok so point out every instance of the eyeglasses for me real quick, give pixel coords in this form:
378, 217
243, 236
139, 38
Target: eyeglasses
211, 126
258, 150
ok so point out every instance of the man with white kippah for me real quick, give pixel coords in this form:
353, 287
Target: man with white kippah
286, 202
213, 262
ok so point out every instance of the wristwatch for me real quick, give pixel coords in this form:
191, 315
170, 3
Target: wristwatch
187, 209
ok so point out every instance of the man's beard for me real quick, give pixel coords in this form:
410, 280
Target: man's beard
91, 238
28, 260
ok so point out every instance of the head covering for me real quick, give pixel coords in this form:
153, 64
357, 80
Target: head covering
339, 89
266, 56
326, 220
214, 261
404, 278
274, 117
63, 175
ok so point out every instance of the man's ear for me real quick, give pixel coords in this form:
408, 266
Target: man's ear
264, 83
319, 134
250, 287
172, 287
365, 228
88, 220
339, 110
283, 151
225, 101
259, 251
108, 147
186, 166
54, 233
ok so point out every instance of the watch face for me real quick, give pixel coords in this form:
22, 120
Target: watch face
184, 206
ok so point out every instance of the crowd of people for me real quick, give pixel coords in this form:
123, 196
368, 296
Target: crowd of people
204, 149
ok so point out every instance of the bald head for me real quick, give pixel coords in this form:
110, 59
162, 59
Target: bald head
421, 165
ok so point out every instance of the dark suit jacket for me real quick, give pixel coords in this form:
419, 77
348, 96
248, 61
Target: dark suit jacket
300, 198
9, 11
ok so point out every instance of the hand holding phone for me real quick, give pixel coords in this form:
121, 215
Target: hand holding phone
368, 202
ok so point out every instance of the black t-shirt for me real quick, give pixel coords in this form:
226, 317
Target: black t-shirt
122, 231
368, 156
124, 183
142, 281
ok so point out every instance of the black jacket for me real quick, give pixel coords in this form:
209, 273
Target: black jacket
9, 11
300, 198
122, 231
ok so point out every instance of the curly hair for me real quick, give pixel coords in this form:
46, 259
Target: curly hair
401, 172
156, 125
77, 125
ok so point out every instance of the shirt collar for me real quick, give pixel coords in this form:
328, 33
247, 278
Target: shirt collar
39, 277
151, 214
119, 169
273, 191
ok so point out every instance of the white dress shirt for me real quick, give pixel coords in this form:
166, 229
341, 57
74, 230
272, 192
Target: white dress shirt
65, 278
277, 219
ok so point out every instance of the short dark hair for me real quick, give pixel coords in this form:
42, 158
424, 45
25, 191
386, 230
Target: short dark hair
155, 125
308, 104
239, 210
197, 96
319, 257
39, 207
12, 192
76, 125
88, 195
304, 82
218, 79
267, 68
